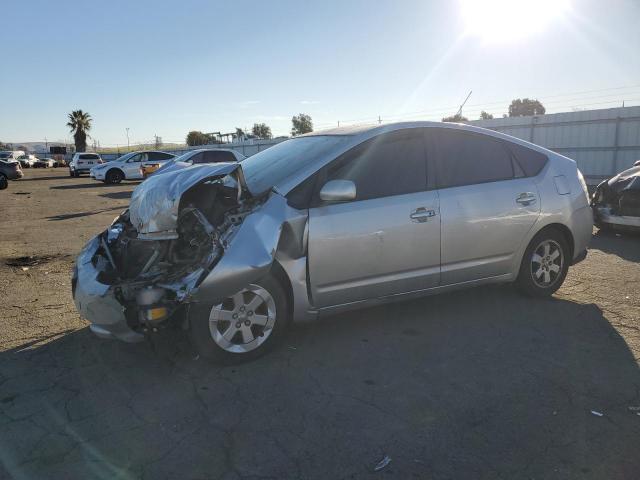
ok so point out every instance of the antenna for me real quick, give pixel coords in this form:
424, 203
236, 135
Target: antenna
459, 112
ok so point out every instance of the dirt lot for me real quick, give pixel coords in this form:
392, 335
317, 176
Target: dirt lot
476, 384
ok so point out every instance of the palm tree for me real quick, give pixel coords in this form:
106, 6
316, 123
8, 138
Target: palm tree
79, 123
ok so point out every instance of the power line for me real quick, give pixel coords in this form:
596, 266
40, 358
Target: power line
564, 101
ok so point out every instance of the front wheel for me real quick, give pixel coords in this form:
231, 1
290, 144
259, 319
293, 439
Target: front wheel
4, 183
114, 176
243, 326
545, 264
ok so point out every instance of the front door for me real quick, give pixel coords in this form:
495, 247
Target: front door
132, 166
387, 240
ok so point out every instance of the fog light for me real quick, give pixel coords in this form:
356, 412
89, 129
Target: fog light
155, 314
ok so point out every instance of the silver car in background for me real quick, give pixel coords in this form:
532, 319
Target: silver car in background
328, 222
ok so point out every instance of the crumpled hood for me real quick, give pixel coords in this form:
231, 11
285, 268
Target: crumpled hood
153, 210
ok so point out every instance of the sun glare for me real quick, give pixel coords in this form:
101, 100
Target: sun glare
508, 20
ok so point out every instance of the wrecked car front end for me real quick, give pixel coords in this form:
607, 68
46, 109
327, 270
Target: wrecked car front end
136, 276
616, 202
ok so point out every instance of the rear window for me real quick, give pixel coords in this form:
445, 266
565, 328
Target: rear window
88, 156
530, 161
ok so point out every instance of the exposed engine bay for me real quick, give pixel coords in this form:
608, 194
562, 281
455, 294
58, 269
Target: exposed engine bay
151, 273
616, 202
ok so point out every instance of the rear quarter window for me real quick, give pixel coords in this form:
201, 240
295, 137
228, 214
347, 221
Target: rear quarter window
530, 161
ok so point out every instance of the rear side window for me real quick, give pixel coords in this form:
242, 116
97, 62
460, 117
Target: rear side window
213, 157
466, 158
387, 165
530, 161
159, 156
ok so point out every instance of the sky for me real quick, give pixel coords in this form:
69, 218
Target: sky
164, 68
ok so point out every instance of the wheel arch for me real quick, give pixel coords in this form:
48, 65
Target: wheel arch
555, 226
566, 233
114, 169
280, 274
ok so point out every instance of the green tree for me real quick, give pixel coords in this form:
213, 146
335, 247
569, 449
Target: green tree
455, 118
195, 137
301, 124
261, 130
239, 133
80, 123
485, 116
525, 107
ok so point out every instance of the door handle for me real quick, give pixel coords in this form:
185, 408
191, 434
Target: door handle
526, 198
421, 215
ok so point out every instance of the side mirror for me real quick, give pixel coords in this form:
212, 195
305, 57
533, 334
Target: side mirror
338, 191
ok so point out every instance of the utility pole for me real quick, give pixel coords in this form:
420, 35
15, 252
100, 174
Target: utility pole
379, 120
127, 129
46, 145
465, 101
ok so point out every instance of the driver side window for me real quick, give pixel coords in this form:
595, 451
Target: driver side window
387, 165
197, 158
140, 157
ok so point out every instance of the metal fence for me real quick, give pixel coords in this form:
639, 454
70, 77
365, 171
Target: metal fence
247, 148
602, 142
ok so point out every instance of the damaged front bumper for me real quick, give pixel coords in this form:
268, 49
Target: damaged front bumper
97, 301
604, 216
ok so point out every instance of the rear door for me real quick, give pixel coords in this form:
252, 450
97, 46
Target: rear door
487, 204
387, 240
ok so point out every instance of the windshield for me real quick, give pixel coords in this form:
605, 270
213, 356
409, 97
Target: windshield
271, 167
5, 154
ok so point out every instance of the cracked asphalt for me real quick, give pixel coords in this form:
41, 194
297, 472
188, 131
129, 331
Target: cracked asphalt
476, 384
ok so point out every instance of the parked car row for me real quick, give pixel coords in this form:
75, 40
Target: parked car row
140, 165
27, 160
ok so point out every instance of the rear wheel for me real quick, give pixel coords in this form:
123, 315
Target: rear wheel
4, 183
114, 176
545, 264
243, 326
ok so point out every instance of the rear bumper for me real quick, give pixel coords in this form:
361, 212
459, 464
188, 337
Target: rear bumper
97, 302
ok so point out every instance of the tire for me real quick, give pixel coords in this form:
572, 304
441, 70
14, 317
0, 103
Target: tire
209, 324
4, 183
114, 176
544, 265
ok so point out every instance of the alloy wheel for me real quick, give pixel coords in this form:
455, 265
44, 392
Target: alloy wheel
547, 262
244, 321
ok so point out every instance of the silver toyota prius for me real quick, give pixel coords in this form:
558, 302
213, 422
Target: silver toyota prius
327, 222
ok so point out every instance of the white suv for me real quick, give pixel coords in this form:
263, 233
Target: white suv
83, 163
128, 166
